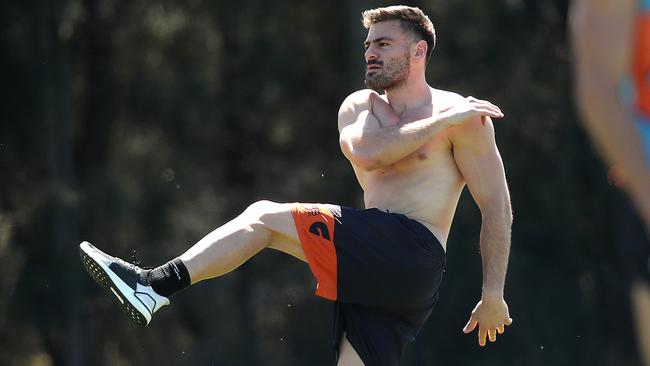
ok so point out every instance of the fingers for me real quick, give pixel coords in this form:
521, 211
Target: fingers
471, 324
482, 334
486, 334
382, 110
492, 335
490, 319
476, 101
486, 107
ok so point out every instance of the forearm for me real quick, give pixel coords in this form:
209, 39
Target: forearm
386, 145
495, 249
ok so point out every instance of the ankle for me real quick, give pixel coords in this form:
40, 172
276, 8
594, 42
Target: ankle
168, 278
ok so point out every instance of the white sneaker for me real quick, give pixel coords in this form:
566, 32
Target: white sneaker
123, 280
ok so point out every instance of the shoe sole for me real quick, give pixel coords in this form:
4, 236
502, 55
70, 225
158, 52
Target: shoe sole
111, 283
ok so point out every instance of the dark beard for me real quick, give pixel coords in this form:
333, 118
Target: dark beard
391, 76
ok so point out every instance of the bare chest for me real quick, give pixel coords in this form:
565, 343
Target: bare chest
434, 156
424, 185
431, 166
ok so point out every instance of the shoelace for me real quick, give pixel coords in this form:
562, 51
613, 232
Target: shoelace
136, 262
134, 259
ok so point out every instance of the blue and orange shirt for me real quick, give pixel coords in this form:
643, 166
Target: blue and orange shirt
641, 60
640, 72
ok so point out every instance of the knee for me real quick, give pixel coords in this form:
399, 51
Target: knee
262, 209
268, 215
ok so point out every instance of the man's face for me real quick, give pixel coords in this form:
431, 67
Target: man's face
387, 55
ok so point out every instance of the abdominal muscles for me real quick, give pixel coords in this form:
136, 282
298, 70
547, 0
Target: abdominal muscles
424, 186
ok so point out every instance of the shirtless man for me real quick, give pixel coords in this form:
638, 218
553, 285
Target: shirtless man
413, 150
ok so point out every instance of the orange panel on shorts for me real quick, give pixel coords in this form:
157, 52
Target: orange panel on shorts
315, 225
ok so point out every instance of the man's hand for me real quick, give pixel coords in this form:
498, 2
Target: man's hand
383, 111
491, 315
466, 109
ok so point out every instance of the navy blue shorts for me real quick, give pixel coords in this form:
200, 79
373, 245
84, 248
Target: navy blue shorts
383, 270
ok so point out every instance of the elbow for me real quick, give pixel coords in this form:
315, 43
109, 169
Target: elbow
507, 210
365, 162
509, 217
368, 165
507, 213
361, 158
498, 211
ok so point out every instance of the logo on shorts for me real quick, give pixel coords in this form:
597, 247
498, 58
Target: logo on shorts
320, 229
313, 211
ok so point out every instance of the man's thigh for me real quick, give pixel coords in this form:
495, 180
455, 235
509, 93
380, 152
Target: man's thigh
280, 220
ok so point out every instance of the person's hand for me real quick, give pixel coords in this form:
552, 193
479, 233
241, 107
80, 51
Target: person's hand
383, 111
491, 315
467, 109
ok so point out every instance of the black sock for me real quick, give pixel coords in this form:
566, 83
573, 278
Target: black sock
169, 278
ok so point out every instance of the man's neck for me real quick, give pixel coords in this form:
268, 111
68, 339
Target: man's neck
412, 94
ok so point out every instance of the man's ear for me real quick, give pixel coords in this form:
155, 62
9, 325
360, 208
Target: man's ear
421, 49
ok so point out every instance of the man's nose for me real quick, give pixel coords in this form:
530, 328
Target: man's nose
370, 54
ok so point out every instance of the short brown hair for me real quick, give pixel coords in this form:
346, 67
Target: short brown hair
411, 19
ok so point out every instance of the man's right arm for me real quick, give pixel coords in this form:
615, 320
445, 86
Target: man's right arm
372, 135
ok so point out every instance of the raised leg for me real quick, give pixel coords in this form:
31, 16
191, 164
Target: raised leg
263, 224
141, 293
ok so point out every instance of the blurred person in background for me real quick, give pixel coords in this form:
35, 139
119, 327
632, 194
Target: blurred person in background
611, 49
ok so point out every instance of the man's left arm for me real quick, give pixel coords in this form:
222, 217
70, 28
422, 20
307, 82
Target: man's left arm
478, 159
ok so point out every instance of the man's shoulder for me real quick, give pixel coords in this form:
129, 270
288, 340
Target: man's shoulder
476, 134
358, 97
355, 103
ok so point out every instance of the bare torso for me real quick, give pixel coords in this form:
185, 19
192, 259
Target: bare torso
425, 185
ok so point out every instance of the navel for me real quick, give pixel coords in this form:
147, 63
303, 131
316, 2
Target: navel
422, 156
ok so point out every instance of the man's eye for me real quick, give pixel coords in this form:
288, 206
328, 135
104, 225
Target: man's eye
383, 44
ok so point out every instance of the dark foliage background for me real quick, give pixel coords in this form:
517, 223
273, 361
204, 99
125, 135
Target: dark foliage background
146, 124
